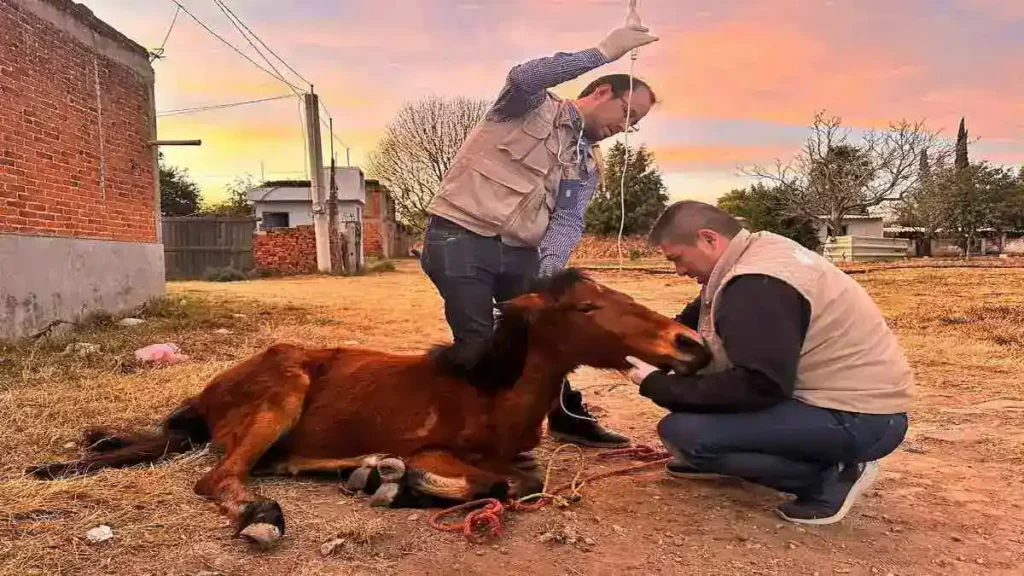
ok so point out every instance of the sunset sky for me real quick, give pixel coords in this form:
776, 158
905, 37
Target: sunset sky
739, 80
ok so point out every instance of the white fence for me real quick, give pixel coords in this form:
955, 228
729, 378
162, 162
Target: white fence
866, 249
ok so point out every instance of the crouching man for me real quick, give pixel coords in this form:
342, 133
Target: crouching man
808, 388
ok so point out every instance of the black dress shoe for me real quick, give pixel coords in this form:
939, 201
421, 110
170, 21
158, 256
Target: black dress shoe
576, 425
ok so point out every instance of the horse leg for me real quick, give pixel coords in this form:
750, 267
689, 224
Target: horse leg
439, 475
258, 519
528, 475
368, 472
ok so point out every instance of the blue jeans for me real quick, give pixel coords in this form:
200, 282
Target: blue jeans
792, 447
472, 272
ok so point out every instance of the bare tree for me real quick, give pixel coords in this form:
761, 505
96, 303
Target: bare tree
418, 148
833, 176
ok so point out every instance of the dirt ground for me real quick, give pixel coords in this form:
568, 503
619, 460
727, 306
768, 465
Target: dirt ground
949, 501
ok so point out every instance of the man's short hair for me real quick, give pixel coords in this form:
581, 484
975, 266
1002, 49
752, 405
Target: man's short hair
681, 221
619, 84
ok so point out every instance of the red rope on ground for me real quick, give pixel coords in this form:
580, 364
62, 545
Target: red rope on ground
639, 452
485, 521
478, 525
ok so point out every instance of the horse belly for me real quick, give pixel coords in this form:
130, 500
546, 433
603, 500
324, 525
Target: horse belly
360, 411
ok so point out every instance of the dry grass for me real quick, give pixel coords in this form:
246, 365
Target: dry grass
962, 329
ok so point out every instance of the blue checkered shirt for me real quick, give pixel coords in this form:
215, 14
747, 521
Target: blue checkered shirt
525, 89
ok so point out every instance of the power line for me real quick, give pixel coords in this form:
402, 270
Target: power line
159, 52
219, 106
232, 46
262, 43
239, 25
231, 18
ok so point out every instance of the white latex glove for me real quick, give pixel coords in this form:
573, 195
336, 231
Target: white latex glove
621, 41
640, 370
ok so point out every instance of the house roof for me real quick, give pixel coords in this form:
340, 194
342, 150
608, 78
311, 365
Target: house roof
351, 188
854, 217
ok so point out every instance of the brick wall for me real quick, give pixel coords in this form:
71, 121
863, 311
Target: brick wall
372, 245
288, 250
373, 198
72, 165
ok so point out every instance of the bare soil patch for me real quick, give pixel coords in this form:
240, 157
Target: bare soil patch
950, 501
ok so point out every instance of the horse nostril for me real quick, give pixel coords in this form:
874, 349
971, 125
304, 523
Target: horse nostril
684, 343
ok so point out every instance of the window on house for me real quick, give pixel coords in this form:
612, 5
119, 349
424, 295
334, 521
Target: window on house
275, 220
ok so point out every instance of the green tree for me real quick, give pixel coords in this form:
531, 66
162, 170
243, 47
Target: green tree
179, 195
763, 209
980, 196
237, 203
645, 194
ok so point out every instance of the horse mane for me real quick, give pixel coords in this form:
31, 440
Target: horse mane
497, 363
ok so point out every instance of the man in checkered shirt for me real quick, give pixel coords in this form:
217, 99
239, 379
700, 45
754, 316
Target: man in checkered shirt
512, 205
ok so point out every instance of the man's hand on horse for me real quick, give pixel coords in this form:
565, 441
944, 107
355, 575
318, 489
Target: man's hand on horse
640, 370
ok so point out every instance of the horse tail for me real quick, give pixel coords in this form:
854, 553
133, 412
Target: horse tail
183, 431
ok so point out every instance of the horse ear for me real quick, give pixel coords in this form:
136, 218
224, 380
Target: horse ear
525, 306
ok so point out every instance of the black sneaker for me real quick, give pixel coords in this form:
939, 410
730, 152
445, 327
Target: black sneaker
850, 483
576, 425
680, 469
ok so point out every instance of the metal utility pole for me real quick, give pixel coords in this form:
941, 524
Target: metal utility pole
321, 223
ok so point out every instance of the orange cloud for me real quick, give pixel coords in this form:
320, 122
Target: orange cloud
721, 157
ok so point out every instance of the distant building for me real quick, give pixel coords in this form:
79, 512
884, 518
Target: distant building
383, 235
864, 226
289, 203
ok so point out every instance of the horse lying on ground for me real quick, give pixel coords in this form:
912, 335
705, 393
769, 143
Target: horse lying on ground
413, 430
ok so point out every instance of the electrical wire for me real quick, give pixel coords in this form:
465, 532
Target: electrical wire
232, 46
220, 106
159, 52
224, 7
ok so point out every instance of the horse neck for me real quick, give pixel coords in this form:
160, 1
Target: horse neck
543, 372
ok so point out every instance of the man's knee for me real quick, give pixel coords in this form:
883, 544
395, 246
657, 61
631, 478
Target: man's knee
688, 435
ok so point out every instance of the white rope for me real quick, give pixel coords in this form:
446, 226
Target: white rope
633, 4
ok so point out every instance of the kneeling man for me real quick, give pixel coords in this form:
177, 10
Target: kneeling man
808, 387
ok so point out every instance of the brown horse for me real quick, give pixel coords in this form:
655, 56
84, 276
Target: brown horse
413, 430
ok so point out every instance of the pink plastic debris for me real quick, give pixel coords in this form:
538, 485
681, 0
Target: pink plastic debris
161, 354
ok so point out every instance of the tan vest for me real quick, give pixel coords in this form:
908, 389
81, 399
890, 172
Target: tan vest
850, 359
504, 179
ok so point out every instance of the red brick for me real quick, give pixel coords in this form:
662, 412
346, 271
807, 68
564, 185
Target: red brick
49, 150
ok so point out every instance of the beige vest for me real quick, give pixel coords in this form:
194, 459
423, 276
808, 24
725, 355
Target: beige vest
850, 359
504, 179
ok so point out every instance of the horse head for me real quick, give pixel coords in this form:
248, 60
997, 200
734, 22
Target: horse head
585, 322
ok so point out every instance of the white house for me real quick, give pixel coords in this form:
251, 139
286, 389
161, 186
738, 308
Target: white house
864, 226
289, 203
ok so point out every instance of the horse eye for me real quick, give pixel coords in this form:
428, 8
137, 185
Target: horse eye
587, 307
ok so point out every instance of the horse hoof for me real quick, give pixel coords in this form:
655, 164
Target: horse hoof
391, 470
357, 480
385, 495
261, 535
262, 523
